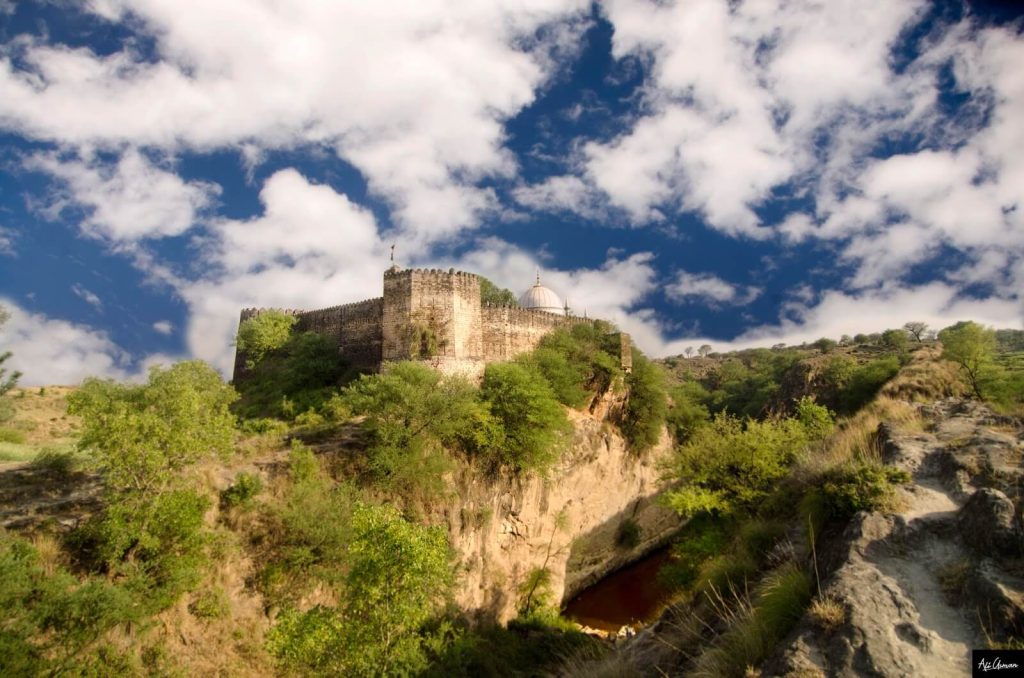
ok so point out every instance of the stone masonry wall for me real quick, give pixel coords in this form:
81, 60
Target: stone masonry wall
357, 328
509, 330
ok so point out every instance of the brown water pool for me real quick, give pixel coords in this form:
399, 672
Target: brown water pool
628, 596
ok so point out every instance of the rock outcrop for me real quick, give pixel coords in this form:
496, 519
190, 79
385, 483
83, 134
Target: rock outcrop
924, 586
570, 523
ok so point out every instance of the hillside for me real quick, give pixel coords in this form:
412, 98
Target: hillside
251, 540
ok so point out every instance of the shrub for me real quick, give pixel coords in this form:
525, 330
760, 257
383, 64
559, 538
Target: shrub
864, 382
396, 581
267, 332
143, 435
212, 603
860, 487
55, 463
628, 535
532, 421
242, 491
646, 404
816, 419
308, 532
688, 412
731, 465
412, 414
702, 538
10, 435
577, 362
50, 618
262, 426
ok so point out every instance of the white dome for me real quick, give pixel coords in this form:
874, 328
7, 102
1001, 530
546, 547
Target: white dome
541, 298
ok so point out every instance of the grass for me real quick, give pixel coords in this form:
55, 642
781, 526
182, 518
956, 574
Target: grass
827, 613
755, 627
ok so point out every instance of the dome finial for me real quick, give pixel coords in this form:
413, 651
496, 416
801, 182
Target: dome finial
538, 277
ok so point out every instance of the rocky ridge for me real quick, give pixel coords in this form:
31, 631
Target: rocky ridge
923, 586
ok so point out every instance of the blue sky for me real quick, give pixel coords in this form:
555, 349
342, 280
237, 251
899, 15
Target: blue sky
733, 173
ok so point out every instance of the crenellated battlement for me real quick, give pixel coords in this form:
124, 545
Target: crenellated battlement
427, 314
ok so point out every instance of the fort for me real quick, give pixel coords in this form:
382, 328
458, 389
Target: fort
436, 317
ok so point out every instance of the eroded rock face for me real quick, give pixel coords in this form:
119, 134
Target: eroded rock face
987, 524
570, 523
924, 586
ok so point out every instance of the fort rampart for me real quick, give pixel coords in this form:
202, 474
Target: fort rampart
430, 315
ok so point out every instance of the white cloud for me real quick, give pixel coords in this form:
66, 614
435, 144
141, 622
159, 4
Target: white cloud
163, 326
709, 289
414, 95
52, 351
7, 238
132, 200
87, 296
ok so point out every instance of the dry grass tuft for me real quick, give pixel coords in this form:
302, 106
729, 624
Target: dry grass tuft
827, 613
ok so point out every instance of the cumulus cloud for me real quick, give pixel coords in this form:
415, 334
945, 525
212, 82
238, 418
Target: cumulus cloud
163, 326
132, 200
414, 95
709, 289
52, 351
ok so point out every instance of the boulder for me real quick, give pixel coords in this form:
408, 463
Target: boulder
987, 524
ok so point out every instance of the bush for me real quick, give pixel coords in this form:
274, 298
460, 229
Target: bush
413, 414
731, 465
242, 491
865, 381
55, 463
308, 533
577, 362
531, 420
688, 412
702, 538
646, 404
10, 435
628, 535
860, 487
263, 426
267, 332
50, 618
301, 374
396, 582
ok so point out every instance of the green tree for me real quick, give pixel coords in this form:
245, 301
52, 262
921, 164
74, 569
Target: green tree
532, 421
646, 403
971, 346
397, 580
7, 381
895, 340
262, 334
730, 465
143, 435
412, 414
916, 328
825, 345
496, 296
144, 438
688, 412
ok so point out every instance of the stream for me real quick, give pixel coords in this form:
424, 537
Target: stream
630, 596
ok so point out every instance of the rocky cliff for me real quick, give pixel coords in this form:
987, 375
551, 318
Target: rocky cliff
923, 586
594, 513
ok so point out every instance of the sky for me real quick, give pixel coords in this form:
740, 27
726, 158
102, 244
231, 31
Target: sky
737, 173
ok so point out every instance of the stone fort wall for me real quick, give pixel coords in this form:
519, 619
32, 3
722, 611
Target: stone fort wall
430, 315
